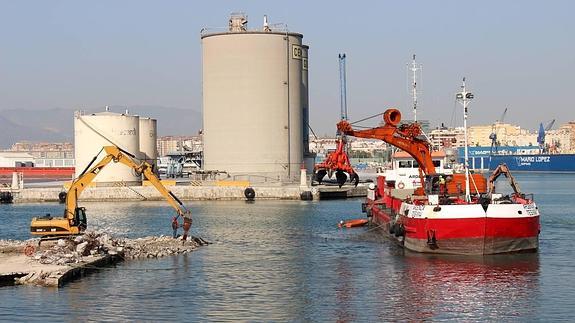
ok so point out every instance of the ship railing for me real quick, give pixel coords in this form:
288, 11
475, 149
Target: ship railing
529, 197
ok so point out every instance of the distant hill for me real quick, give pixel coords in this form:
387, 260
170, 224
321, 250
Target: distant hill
56, 125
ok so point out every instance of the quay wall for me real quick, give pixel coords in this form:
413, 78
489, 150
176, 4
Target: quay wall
140, 193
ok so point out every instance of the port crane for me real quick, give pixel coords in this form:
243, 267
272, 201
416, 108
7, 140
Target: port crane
74, 221
338, 161
493, 135
541, 134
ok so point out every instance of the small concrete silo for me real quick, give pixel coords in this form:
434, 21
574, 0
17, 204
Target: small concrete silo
148, 137
93, 131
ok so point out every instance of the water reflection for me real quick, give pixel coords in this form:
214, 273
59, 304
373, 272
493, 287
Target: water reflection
344, 292
468, 288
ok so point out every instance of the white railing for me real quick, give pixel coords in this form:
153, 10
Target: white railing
275, 28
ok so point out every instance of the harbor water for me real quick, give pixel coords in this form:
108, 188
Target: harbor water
288, 261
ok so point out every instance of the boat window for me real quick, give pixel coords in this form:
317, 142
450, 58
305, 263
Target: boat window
437, 163
405, 164
415, 164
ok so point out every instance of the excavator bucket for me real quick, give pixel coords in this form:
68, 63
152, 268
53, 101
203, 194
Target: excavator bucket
341, 178
319, 175
354, 178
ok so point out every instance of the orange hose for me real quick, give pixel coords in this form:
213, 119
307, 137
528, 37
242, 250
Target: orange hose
352, 223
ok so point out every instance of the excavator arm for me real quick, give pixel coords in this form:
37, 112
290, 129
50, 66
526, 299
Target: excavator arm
502, 169
146, 169
74, 221
78, 186
406, 137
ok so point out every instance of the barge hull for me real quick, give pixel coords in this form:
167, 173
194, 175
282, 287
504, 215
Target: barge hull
462, 236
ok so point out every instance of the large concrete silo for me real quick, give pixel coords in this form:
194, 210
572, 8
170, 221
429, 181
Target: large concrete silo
96, 130
148, 136
308, 156
253, 101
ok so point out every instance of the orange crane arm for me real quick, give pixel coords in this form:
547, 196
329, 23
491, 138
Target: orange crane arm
405, 137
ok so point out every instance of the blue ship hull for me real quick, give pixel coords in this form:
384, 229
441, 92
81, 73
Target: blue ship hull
560, 163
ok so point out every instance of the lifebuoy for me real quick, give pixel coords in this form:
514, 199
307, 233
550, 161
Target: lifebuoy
6, 197
400, 185
306, 196
62, 197
29, 250
249, 193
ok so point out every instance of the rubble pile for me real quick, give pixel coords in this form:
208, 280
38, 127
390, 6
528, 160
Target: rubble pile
72, 251
85, 251
40, 278
94, 244
156, 247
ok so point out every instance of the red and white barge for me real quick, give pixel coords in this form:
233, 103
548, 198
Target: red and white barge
456, 213
449, 225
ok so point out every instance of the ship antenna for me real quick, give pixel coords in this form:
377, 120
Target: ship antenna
464, 98
414, 68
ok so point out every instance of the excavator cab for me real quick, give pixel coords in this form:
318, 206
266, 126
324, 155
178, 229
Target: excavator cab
48, 226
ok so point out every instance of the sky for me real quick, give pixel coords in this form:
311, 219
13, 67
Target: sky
517, 54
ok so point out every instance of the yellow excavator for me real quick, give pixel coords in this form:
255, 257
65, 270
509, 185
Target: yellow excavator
74, 221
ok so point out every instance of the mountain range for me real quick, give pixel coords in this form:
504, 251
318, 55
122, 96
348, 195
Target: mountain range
57, 125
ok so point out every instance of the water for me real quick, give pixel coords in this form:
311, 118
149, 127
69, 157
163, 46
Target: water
287, 261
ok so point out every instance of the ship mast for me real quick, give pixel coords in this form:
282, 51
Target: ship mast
464, 98
414, 68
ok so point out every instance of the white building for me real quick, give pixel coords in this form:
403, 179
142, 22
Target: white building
16, 159
447, 137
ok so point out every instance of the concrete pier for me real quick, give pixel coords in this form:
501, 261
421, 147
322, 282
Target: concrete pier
18, 268
334, 192
21, 269
188, 192
57, 262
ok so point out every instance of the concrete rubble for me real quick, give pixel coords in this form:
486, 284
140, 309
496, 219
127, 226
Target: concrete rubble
55, 259
91, 244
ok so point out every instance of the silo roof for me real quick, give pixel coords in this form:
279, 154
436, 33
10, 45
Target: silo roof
250, 32
108, 113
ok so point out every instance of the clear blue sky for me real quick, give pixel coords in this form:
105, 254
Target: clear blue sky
516, 54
